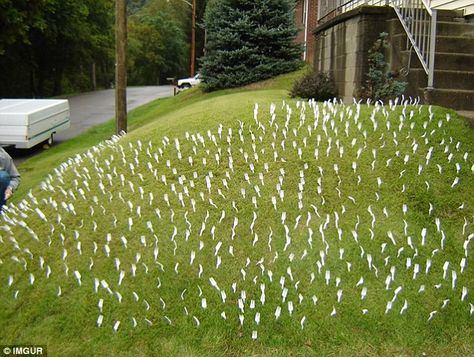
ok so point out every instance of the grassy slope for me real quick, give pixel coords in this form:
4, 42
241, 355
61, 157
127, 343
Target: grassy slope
67, 324
35, 170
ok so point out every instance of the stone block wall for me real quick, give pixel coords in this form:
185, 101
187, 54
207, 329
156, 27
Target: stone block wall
343, 43
342, 46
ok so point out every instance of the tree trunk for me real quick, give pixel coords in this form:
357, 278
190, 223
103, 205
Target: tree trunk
93, 76
40, 83
58, 77
33, 83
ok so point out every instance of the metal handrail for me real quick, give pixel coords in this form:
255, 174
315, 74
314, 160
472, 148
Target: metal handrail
419, 22
327, 9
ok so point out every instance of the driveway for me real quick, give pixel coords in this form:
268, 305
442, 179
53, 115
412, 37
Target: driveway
93, 108
90, 109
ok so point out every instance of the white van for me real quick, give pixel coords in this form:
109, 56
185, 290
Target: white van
27, 122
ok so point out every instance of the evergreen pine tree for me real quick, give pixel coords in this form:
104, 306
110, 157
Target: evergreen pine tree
248, 40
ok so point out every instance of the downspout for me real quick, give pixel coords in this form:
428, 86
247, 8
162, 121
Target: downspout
305, 29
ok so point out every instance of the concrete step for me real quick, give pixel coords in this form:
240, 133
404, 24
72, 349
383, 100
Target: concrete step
454, 61
443, 15
451, 98
455, 44
450, 15
448, 28
460, 28
443, 43
463, 80
443, 61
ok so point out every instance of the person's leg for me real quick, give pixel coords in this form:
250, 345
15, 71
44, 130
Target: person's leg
4, 181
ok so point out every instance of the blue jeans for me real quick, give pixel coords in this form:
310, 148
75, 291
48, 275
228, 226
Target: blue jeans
4, 182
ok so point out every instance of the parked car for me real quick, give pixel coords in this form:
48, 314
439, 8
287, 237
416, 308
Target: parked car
189, 82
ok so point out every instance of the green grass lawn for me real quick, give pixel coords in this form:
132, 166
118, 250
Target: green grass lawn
35, 170
218, 228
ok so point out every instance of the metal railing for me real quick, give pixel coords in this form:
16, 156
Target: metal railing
419, 22
328, 9
416, 17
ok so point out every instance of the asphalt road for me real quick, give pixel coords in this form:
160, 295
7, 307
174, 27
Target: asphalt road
93, 108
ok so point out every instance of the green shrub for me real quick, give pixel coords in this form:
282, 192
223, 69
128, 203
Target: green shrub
381, 84
319, 86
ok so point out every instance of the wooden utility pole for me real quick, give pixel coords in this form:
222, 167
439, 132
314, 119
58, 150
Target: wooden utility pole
120, 66
193, 39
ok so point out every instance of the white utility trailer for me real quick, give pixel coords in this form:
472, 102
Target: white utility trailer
27, 122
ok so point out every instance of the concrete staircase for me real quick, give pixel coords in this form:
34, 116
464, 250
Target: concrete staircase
454, 61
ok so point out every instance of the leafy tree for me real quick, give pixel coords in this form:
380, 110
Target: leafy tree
48, 47
183, 14
156, 43
248, 40
77, 34
177, 44
49, 43
135, 5
17, 17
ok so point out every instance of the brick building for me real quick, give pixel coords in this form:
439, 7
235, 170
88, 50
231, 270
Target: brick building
306, 15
